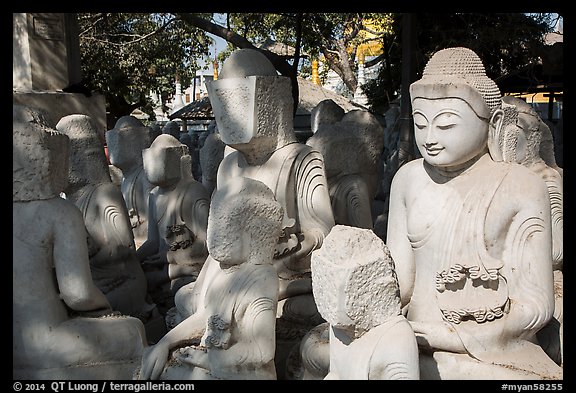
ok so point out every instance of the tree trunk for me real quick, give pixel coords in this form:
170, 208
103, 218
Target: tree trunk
118, 107
406, 151
340, 63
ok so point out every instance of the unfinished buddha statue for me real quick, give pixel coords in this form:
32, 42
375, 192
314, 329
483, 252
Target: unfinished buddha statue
230, 332
351, 149
178, 215
125, 144
520, 141
356, 291
113, 262
253, 108
63, 326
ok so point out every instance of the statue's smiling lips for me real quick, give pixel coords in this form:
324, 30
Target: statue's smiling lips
434, 151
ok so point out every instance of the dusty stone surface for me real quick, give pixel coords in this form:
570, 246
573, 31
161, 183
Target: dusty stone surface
356, 291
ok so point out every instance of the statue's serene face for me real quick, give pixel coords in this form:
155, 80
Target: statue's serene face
447, 131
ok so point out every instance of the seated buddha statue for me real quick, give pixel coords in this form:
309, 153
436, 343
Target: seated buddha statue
230, 332
470, 235
253, 108
125, 144
63, 326
175, 248
113, 262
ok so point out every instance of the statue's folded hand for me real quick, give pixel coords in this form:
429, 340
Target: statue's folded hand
153, 361
437, 336
194, 355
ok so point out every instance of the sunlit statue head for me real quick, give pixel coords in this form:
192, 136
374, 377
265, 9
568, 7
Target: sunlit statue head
252, 104
454, 104
355, 291
166, 161
244, 223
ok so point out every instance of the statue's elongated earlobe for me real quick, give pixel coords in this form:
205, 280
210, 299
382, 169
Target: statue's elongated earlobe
495, 130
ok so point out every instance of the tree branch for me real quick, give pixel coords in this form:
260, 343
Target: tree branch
93, 24
375, 60
298, 42
237, 40
134, 41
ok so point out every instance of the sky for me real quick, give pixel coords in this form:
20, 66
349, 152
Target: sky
219, 43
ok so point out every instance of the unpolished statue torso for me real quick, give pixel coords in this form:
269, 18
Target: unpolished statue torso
60, 319
230, 332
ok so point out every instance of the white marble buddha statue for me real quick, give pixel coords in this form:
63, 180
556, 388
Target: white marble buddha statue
113, 262
520, 141
253, 107
470, 236
356, 290
177, 213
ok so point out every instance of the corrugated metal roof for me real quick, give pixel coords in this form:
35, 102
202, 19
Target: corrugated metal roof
196, 110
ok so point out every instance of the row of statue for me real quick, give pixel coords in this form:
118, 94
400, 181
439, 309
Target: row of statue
271, 265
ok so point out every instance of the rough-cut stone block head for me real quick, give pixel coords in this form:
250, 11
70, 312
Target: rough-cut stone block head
352, 145
458, 73
88, 163
127, 140
39, 156
244, 223
353, 279
522, 131
251, 102
172, 128
326, 112
163, 160
247, 62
